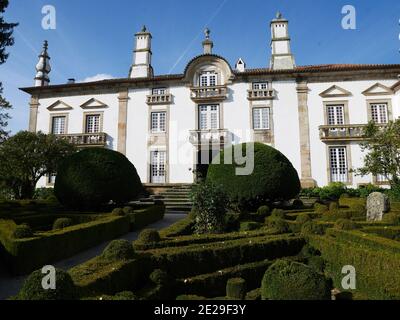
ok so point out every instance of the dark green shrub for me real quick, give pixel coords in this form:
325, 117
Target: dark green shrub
333, 191
273, 177
263, 211
320, 208
62, 223
125, 295
312, 227
44, 194
286, 280
392, 218
345, 224
93, 177
32, 288
128, 210
119, 212
160, 277
119, 250
23, 231
232, 222
149, 236
303, 218
280, 225
297, 204
249, 226
236, 288
278, 213
210, 203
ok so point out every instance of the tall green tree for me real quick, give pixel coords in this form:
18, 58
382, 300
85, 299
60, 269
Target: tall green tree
6, 40
26, 157
382, 148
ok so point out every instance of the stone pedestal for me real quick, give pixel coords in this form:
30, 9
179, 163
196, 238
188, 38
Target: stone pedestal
377, 205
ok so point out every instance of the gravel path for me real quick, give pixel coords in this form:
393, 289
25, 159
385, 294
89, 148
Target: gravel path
10, 285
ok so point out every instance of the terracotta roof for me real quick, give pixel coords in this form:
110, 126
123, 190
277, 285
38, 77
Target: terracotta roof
259, 71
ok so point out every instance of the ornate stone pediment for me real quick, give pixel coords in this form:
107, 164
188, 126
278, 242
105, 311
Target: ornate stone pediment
335, 92
378, 89
59, 106
94, 104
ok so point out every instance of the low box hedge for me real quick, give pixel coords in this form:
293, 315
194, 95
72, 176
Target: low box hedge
183, 227
101, 277
204, 258
144, 217
25, 255
214, 284
377, 276
392, 233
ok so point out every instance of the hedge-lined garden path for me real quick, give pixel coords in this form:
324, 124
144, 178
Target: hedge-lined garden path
10, 285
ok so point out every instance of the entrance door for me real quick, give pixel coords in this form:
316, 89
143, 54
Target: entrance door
157, 167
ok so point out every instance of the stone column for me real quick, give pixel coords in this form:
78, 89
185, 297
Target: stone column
33, 113
122, 120
302, 95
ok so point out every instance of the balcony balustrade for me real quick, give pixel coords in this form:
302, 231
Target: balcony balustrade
264, 94
207, 137
206, 94
154, 99
349, 132
86, 139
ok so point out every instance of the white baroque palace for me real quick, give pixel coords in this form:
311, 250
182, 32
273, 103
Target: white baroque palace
169, 126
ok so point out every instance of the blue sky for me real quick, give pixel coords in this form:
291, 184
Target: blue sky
96, 36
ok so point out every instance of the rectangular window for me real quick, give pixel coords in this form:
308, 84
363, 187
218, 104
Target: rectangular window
208, 117
379, 113
158, 122
51, 179
157, 166
261, 119
208, 79
159, 91
93, 123
380, 178
338, 164
58, 125
260, 85
335, 114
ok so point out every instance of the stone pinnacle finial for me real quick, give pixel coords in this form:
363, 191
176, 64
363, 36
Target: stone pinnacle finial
45, 45
279, 15
207, 33
144, 29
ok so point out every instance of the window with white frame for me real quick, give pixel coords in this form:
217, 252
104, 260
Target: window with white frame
159, 91
157, 166
208, 79
338, 164
381, 178
93, 123
335, 114
379, 112
158, 122
208, 117
58, 125
261, 118
260, 85
51, 179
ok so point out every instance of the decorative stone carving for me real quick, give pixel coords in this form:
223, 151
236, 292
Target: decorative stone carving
377, 205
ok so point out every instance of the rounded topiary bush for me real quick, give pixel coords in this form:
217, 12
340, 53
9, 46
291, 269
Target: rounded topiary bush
160, 277
273, 177
62, 223
32, 288
312, 227
263, 211
149, 236
287, 280
22, 231
297, 204
236, 288
119, 250
278, 224
345, 224
119, 212
278, 213
93, 177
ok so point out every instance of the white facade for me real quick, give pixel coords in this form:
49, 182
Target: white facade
161, 123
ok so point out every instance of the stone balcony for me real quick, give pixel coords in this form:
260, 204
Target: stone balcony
264, 94
207, 137
154, 99
86, 139
209, 94
349, 132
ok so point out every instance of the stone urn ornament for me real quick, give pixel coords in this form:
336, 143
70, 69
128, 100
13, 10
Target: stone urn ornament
377, 205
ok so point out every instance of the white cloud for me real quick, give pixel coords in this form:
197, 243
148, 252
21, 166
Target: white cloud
97, 77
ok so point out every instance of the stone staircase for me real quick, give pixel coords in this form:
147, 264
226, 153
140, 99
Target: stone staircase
177, 198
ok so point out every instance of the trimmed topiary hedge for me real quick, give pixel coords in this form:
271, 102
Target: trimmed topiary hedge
118, 250
236, 288
140, 219
62, 223
287, 280
148, 236
21, 256
273, 177
22, 231
32, 288
93, 177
